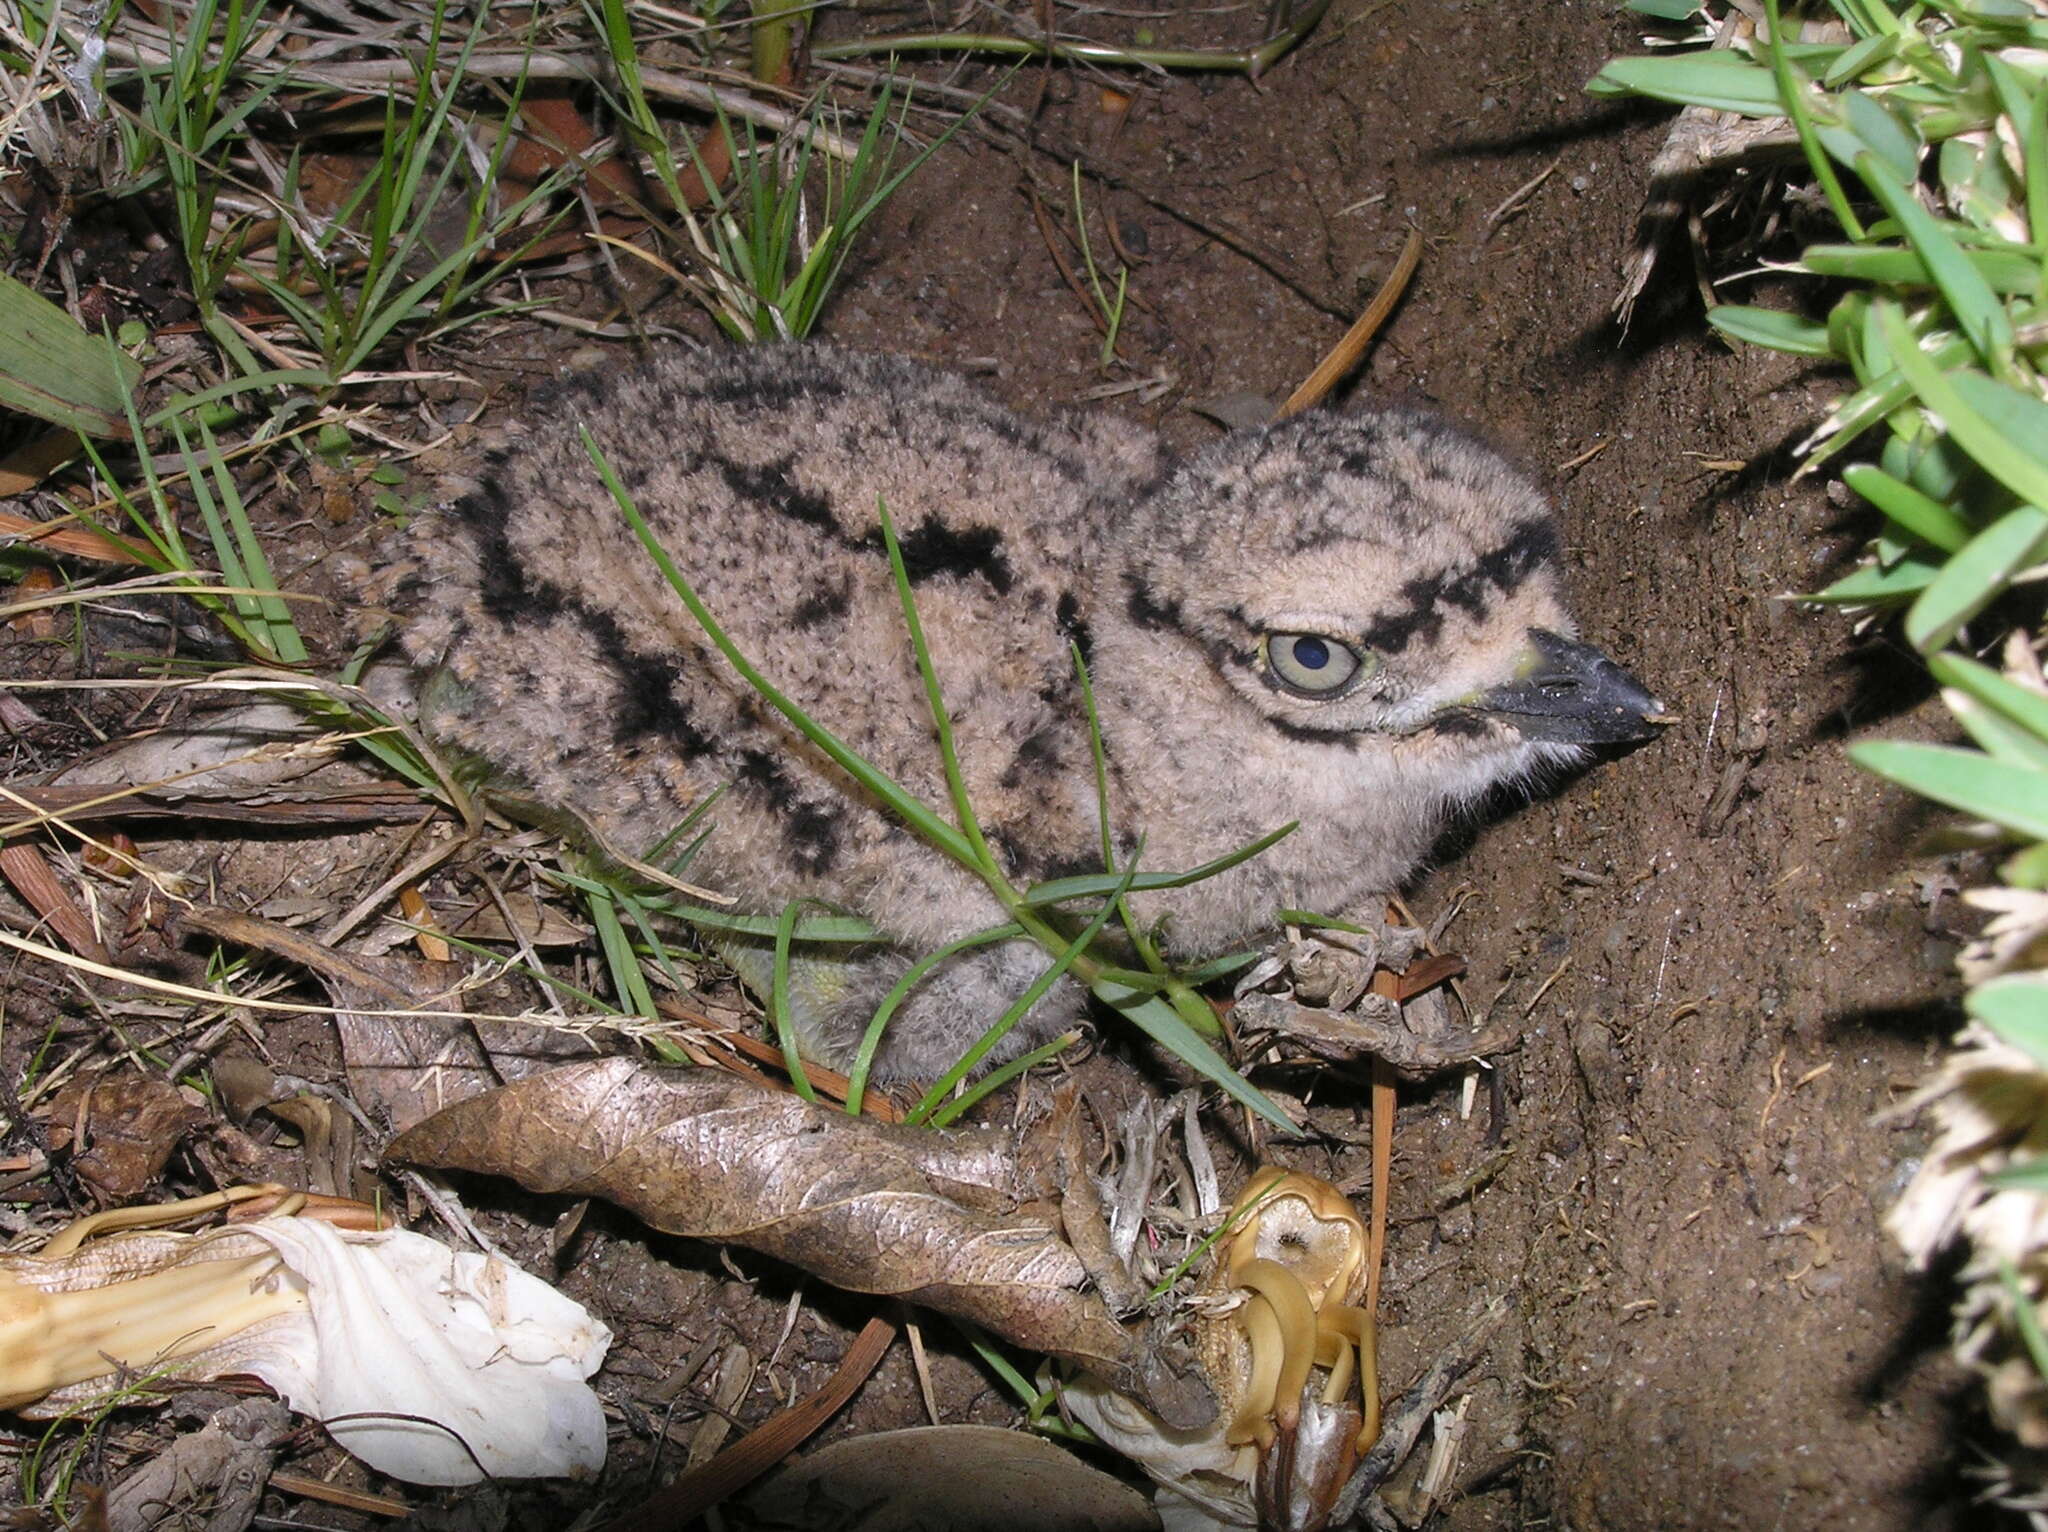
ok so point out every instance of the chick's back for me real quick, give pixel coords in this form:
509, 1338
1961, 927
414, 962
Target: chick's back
566, 661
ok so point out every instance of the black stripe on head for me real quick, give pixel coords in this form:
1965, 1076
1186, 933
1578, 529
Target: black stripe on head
1532, 546
1309, 734
1148, 610
1460, 726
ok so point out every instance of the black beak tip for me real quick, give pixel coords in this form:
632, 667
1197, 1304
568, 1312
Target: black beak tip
1578, 696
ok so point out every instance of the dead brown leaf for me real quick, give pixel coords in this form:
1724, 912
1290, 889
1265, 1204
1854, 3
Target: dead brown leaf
934, 1218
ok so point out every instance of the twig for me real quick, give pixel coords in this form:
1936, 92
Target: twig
764, 1446
1345, 354
1050, 235
1517, 198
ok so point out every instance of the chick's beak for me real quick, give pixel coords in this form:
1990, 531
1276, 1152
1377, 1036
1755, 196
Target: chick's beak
1570, 693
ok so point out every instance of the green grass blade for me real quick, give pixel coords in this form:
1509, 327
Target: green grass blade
2009, 271
1017, 1011
1998, 736
2008, 795
2015, 1008
2029, 869
2017, 417
935, 701
2015, 463
1719, 78
254, 382
778, 1004
1219, 968
1791, 88
1097, 885
1885, 388
1976, 576
1978, 312
2029, 1175
2024, 706
837, 930
1858, 58
996, 1079
1320, 922
1873, 585
52, 368
1925, 517
226, 555
2026, 101
878, 1024
269, 613
1870, 127
629, 984
1166, 1027
636, 910
1772, 329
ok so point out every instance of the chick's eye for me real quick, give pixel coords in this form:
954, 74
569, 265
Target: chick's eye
1309, 663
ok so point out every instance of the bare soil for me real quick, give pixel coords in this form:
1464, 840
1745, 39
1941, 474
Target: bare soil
1730, 957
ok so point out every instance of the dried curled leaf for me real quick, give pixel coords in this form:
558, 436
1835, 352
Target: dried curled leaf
871, 1207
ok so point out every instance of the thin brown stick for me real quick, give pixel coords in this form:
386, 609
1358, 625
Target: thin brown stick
1387, 983
372, 803
309, 1488
763, 1447
737, 1051
399, 74
1345, 354
1383, 983
28, 872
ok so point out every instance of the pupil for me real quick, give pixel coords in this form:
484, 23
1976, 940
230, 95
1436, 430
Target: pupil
1311, 653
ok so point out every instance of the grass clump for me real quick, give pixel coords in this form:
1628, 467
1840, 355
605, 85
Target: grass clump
1926, 128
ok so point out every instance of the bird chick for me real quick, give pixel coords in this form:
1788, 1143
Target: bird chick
1353, 622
